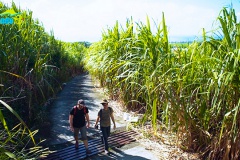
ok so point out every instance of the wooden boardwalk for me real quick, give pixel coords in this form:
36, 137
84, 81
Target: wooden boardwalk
95, 145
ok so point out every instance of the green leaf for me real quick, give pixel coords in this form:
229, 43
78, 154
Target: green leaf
11, 155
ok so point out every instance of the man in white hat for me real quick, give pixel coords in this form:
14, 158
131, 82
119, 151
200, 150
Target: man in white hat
104, 116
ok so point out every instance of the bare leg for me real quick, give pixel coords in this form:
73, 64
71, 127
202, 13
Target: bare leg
76, 139
85, 143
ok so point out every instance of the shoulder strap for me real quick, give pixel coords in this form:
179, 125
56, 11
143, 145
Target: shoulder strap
102, 109
101, 113
75, 110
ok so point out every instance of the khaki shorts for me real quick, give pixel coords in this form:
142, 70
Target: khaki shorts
83, 132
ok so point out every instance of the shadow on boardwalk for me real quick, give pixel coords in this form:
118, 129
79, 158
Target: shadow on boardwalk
59, 135
80, 87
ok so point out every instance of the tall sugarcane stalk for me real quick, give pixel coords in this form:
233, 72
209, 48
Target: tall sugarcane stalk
193, 90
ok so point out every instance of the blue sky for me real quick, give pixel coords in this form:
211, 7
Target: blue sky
84, 20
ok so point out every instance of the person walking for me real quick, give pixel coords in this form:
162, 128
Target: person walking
77, 120
104, 116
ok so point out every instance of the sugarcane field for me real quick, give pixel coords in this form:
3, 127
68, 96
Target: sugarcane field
169, 72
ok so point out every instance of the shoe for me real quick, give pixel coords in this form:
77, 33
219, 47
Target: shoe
76, 145
88, 151
106, 151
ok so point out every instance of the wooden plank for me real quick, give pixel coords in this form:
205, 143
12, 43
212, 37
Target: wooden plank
81, 152
95, 145
70, 150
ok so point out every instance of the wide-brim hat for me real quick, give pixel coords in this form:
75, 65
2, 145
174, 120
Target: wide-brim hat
104, 101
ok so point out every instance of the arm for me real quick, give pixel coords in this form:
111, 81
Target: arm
97, 120
87, 118
71, 121
112, 117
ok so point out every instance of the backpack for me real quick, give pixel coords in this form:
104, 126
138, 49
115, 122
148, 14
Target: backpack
75, 110
102, 109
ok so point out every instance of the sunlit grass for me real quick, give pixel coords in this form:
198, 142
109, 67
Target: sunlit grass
33, 66
192, 89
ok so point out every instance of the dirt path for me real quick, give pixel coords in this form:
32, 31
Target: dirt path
82, 87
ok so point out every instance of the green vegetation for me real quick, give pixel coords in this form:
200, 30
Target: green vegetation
191, 91
33, 66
